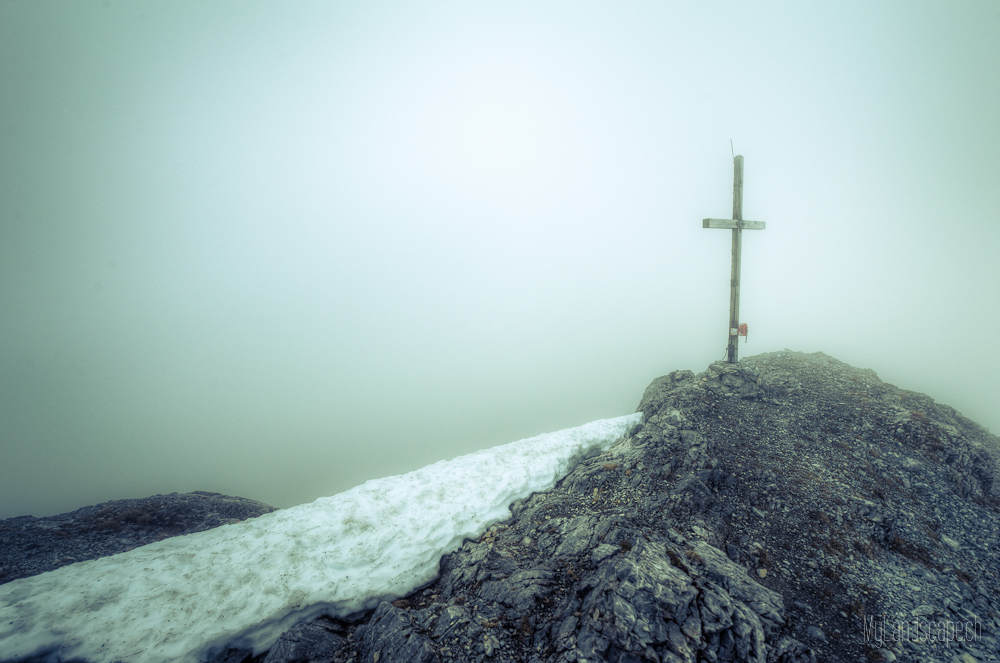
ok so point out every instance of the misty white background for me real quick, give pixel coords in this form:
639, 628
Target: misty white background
278, 249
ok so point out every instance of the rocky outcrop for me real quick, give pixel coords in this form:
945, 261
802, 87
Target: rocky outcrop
789, 508
29, 545
599, 568
671, 600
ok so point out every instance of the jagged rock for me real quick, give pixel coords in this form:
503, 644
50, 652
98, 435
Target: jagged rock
232, 656
815, 633
754, 503
311, 642
725, 379
699, 494
785, 463
769, 511
390, 636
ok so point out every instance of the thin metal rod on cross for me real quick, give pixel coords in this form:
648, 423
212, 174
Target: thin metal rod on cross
737, 224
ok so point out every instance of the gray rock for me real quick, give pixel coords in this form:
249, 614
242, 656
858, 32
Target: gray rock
519, 591
701, 497
602, 552
791, 462
29, 545
452, 617
815, 633
304, 643
232, 656
389, 636
578, 535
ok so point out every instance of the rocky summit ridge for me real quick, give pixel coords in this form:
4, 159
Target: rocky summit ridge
30, 545
788, 508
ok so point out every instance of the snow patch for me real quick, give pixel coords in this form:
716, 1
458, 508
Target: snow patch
242, 585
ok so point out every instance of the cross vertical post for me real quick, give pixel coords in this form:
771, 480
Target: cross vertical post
737, 225
734, 281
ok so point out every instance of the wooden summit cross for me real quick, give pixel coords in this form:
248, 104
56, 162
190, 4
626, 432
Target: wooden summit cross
738, 225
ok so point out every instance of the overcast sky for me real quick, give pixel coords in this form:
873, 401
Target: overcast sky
277, 249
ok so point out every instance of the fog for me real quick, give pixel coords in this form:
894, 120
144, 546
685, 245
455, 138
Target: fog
278, 249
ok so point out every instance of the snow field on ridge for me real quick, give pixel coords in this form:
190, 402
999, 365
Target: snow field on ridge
242, 585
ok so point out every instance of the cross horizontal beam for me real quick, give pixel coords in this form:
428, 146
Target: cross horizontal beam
732, 223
